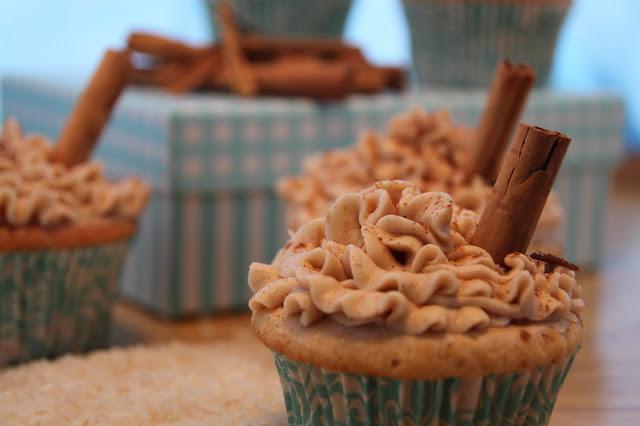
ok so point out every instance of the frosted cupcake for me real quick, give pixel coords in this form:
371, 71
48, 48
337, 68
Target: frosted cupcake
64, 233
400, 307
383, 312
64, 228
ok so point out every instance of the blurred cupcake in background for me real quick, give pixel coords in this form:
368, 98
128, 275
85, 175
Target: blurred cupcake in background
324, 18
458, 42
64, 235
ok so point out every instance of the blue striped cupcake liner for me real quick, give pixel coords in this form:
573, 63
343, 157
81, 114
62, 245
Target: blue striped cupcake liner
57, 301
459, 43
290, 17
315, 396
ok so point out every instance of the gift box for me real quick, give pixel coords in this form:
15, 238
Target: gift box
213, 160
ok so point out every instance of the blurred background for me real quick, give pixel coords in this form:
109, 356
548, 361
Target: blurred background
40, 36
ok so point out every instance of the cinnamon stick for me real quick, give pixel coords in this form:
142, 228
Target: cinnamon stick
170, 71
241, 78
164, 47
144, 76
218, 79
305, 77
196, 75
368, 79
520, 192
395, 77
163, 75
93, 108
506, 100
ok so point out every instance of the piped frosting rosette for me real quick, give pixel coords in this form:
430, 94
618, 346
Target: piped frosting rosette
393, 256
429, 150
36, 191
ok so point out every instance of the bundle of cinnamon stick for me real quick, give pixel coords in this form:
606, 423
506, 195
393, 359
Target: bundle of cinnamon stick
252, 64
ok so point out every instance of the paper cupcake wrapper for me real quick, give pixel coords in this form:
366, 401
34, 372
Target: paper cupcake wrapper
460, 43
291, 17
57, 301
315, 396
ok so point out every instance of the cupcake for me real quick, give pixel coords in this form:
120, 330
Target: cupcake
384, 312
64, 234
429, 150
64, 228
457, 42
290, 17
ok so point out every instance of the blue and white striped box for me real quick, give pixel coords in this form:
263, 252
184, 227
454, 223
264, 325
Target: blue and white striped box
213, 160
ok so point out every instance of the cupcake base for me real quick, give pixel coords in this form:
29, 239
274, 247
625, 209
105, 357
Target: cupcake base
381, 352
316, 396
57, 301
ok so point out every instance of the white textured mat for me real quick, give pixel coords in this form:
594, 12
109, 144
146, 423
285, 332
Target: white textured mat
222, 383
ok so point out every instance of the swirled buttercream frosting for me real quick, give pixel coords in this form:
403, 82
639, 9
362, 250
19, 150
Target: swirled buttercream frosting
36, 191
428, 150
400, 258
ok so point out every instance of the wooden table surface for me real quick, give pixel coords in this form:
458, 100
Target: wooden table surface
603, 387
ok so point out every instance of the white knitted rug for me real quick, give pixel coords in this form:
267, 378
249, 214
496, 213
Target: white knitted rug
223, 383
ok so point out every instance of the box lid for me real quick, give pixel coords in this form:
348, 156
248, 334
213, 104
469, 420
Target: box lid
210, 142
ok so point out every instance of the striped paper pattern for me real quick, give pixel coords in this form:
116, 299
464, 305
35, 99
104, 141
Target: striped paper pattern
57, 301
